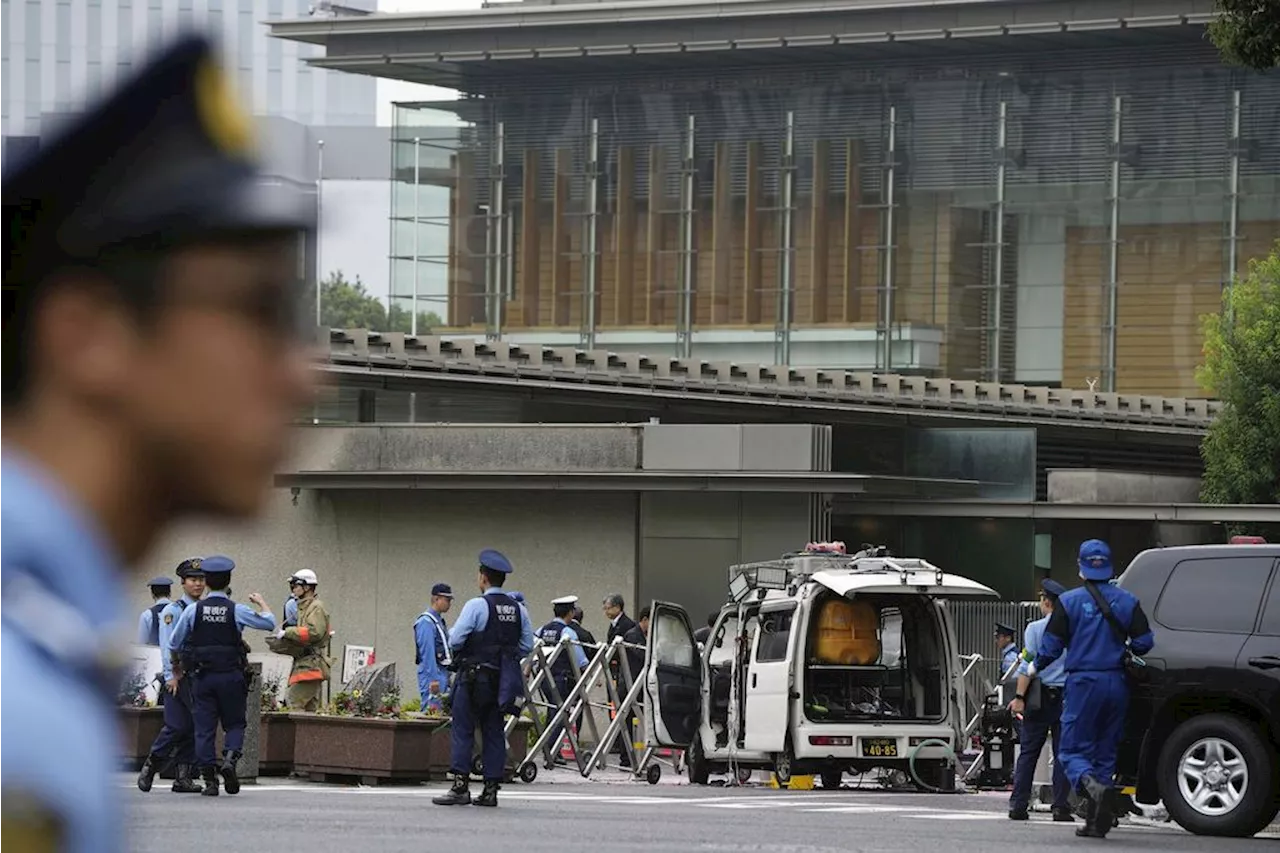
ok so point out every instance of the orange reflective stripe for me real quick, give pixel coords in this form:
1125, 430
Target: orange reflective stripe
304, 635
308, 675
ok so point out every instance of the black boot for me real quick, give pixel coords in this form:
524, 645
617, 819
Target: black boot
210, 776
1097, 822
147, 775
458, 795
184, 784
489, 797
228, 771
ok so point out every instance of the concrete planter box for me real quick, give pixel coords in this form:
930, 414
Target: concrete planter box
371, 750
140, 728
276, 745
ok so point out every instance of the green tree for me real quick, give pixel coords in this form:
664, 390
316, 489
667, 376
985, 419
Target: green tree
346, 304
1247, 32
1242, 368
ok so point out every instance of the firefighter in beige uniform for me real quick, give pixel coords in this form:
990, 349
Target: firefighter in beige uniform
306, 642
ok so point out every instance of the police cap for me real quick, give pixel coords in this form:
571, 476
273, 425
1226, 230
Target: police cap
517, 597
191, 568
565, 599
160, 580
1052, 588
495, 561
1002, 628
164, 161
443, 590
217, 563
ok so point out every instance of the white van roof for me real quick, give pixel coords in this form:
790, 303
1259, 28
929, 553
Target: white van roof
926, 581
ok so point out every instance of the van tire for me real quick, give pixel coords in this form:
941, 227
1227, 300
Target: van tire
783, 762
699, 771
1256, 808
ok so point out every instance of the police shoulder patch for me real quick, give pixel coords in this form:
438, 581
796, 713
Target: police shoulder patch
168, 619
27, 824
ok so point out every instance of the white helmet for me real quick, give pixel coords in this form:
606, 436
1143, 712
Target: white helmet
304, 576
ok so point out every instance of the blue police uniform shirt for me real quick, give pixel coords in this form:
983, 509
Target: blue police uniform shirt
429, 630
475, 616
1090, 643
1055, 675
168, 621
1008, 655
291, 611
63, 629
146, 621
246, 617
579, 654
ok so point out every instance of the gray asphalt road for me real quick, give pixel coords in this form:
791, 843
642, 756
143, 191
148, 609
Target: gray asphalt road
562, 815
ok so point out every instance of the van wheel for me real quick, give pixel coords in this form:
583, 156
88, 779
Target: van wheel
782, 763
1218, 777
696, 760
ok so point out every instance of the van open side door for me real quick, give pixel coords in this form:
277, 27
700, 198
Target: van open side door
673, 678
769, 678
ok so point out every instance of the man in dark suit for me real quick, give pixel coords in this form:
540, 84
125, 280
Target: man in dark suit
619, 625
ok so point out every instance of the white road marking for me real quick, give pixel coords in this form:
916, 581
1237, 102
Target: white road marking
862, 809
961, 816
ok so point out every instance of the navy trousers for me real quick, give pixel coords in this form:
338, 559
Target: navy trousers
219, 698
176, 741
564, 684
1036, 728
475, 704
1093, 715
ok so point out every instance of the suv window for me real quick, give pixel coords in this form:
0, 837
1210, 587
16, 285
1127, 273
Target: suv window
1218, 594
1271, 616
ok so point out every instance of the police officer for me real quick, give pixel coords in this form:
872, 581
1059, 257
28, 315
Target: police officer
1008, 647
492, 633
149, 620
431, 642
208, 633
152, 369
1038, 722
587, 638
1101, 627
552, 633
176, 740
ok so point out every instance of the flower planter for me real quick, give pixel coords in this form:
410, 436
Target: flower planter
276, 744
140, 727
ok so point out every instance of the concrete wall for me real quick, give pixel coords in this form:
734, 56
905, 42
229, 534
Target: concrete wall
1087, 485
378, 553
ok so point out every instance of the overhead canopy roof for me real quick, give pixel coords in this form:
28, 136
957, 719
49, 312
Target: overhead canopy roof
459, 48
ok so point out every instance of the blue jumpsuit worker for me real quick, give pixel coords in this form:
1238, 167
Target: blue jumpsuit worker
1096, 699
214, 653
123, 412
491, 635
551, 634
1038, 723
176, 741
149, 619
431, 644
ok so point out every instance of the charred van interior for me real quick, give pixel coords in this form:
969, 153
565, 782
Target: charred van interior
873, 657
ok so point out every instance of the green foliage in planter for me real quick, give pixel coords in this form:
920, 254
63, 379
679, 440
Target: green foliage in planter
271, 690
358, 704
133, 692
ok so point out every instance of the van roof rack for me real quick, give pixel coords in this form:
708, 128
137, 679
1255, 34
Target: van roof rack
798, 566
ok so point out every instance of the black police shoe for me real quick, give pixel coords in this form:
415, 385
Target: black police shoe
228, 770
210, 777
1018, 814
147, 774
1063, 816
1100, 816
458, 795
183, 783
489, 797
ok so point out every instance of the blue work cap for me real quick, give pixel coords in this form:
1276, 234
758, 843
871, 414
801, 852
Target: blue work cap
1095, 560
1052, 588
1002, 628
191, 568
517, 597
442, 589
217, 563
494, 560
160, 580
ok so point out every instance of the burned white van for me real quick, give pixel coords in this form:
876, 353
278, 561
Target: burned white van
821, 663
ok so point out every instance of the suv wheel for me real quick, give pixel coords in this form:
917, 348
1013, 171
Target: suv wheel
1217, 777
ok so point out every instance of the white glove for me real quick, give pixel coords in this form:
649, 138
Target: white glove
280, 634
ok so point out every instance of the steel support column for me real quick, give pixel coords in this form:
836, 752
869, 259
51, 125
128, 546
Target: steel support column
1113, 256
590, 239
688, 200
417, 228
1233, 194
997, 306
886, 287
494, 242
787, 249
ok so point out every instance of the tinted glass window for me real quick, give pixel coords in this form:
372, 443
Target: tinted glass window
672, 643
775, 632
1271, 616
1217, 594
724, 642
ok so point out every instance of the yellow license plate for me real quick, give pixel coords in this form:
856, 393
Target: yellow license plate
879, 747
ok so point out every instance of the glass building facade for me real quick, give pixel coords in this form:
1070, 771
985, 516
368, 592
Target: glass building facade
1058, 216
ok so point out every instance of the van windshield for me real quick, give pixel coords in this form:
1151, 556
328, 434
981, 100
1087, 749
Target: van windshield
874, 657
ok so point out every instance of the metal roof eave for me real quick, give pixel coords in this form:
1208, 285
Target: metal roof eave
1043, 510
867, 485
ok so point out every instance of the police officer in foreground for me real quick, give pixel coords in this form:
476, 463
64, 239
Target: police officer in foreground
149, 620
1041, 720
1102, 628
215, 656
176, 741
491, 635
152, 368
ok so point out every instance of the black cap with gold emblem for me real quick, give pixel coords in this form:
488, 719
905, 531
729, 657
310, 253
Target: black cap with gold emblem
191, 568
166, 160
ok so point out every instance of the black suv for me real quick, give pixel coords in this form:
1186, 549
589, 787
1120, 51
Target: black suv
1204, 722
